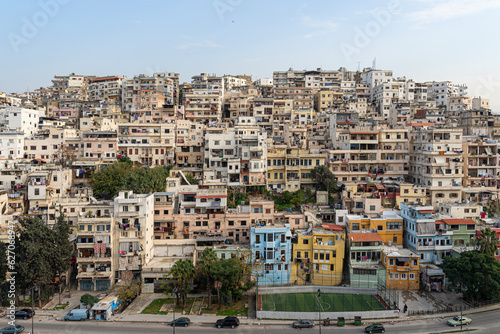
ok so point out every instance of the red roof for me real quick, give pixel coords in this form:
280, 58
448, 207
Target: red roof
332, 227
356, 237
458, 221
426, 211
380, 186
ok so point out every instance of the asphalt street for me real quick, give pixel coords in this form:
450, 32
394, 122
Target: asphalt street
486, 322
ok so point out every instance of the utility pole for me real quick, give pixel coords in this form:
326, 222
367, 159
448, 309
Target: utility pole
319, 309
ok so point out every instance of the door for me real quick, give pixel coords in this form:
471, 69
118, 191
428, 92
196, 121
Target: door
86, 285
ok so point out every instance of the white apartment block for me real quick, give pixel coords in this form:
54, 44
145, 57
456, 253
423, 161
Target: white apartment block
436, 161
20, 119
11, 145
134, 214
441, 91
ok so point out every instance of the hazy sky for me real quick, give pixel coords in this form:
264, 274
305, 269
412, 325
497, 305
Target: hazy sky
421, 39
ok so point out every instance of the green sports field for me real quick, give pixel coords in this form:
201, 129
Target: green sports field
330, 302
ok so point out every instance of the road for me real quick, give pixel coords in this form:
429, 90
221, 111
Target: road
486, 322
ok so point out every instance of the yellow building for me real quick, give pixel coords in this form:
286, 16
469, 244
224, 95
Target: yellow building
318, 256
409, 193
388, 224
402, 268
328, 99
290, 168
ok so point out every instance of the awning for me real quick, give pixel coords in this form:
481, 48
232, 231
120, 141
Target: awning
403, 259
426, 211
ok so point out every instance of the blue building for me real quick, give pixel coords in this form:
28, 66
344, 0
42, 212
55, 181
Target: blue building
271, 254
423, 236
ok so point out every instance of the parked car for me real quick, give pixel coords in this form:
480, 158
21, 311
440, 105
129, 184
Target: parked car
180, 322
375, 328
303, 324
78, 314
2, 313
228, 322
456, 321
12, 329
25, 313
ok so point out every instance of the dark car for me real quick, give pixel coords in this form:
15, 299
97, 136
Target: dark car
303, 324
12, 329
25, 313
180, 322
227, 322
375, 328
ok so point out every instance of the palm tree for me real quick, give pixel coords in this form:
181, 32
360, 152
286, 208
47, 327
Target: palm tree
207, 258
182, 273
487, 241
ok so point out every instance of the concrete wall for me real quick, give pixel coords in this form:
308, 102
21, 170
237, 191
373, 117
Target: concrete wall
332, 315
314, 289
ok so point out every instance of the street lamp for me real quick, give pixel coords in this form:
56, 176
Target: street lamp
32, 294
173, 322
319, 309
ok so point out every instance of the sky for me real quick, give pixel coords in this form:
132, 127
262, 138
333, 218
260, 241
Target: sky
425, 40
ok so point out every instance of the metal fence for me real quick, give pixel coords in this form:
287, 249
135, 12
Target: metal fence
389, 296
451, 309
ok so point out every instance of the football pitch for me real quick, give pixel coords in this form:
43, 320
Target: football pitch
309, 302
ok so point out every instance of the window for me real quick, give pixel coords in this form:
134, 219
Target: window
391, 276
355, 226
37, 191
305, 241
268, 267
396, 276
412, 276
257, 236
403, 275
372, 207
471, 227
391, 262
231, 223
415, 262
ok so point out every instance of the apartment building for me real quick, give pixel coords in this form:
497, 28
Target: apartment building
410, 193
402, 268
106, 89
388, 225
430, 241
99, 146
365, 153
20, 119
312, 79
289, 169
11, 145
365, 269
443, 90
436, 161
302, 97
150, 92
318, 256
134, 214
271, 254
97, 246
463, 231
461, 210
203, 106
149, 144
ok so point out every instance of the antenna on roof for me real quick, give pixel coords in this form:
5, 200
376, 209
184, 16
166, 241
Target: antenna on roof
374, 65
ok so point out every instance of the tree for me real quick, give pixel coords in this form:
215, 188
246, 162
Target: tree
107, 182
207, 259
298, 199
62, 248
145, 180
234, 276
128, 292
487, 241
35, 241
181, 275
88, 300
324, 178
477, 274
3, 262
